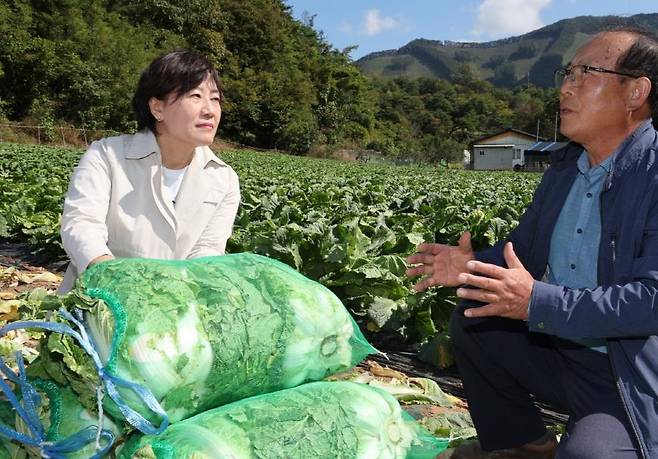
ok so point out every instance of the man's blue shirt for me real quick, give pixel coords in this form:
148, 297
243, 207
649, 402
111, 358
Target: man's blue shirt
574, 253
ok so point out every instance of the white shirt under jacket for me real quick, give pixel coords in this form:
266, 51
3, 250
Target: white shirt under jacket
116, 205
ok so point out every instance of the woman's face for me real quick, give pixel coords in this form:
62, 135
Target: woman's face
190, 120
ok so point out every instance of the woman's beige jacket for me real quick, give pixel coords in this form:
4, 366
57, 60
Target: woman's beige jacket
115, 205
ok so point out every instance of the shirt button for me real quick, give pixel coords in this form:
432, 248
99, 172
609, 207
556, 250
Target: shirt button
541, 325
573, 266
589, 195
579, 231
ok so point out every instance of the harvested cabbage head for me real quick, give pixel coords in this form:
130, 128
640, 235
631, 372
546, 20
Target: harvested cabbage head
321, 420
205, 332
324, 339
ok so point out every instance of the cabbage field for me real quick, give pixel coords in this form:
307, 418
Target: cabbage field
348, 225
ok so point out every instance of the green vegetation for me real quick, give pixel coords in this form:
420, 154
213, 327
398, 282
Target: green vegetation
348, 225
434, 120
76, 62
33, 181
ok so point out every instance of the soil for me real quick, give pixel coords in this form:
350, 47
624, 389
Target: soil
21, 269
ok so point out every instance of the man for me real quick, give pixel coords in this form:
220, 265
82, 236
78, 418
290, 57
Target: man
566, 309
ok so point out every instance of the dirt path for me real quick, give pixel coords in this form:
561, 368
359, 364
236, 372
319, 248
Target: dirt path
21, 270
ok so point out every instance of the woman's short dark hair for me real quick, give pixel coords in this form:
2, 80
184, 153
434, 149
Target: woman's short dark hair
642, 59
173, 73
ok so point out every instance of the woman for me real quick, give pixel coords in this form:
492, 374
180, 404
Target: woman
160, 193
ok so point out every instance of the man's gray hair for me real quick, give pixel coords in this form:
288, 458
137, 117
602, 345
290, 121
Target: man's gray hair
642, 59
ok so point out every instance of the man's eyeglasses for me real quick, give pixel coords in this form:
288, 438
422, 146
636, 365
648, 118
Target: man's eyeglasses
574, 74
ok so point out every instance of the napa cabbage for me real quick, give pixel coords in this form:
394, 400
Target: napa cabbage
202, 333
319, 420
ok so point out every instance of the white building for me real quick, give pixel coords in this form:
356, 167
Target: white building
503, 150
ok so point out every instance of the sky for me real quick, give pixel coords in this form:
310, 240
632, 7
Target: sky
390, 24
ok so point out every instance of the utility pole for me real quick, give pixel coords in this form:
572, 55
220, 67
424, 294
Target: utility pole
537, 133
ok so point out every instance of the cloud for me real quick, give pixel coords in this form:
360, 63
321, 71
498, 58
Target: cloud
375, 23
503, 18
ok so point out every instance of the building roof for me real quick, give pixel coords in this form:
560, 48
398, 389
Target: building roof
505, 131
545, 147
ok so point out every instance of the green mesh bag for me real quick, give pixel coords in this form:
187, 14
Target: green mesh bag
316, 420
202, 333
63, 419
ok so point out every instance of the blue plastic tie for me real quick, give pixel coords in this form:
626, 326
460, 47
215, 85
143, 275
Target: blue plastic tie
28, 412
109, 381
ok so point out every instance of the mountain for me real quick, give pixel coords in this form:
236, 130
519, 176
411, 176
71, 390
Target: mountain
530, 58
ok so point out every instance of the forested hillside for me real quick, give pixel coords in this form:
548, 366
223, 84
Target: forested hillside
77, 62
510, 62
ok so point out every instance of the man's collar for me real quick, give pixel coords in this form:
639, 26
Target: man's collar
607, 164
643, 126
144, 144
584, 166
571, 153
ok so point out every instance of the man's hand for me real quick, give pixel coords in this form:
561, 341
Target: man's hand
440, 264
506, 291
